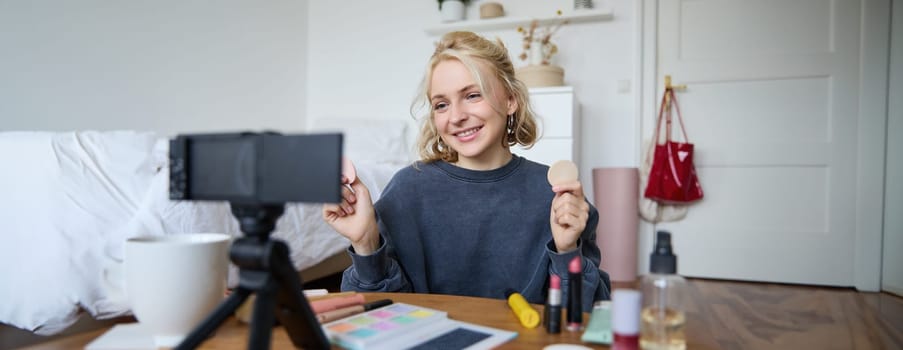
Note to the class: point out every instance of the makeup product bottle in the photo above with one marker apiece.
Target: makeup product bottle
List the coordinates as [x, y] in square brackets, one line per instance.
[553, 305]
[575, 291]
[625, 319]
[525, 313]
[663, 317]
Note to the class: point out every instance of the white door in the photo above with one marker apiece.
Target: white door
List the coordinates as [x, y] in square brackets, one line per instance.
[772, 105]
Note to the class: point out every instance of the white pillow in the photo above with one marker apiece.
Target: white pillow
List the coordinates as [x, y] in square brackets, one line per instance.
[375, 140]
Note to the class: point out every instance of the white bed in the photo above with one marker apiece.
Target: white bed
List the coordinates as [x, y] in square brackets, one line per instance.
[70, 200]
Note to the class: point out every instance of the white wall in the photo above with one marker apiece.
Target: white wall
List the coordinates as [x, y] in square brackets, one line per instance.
[187, 66]
[371, 65]
[163, 65]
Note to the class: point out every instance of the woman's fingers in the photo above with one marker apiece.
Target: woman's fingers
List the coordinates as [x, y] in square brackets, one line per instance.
[348, 194]
[572, 187]
[342, 209]
[331, 212]
[570, 219]
[569, 210]
[568, 201]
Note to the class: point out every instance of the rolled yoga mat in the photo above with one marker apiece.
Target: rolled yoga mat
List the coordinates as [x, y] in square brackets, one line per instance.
[615, 195]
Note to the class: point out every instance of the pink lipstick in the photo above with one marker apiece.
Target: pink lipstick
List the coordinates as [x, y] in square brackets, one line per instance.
[575, 299]
[553, 305]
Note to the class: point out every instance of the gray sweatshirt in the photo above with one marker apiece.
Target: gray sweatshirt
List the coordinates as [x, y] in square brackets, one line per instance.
[449, 230]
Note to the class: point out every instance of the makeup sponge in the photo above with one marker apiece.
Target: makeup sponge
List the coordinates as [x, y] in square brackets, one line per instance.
[563, 171]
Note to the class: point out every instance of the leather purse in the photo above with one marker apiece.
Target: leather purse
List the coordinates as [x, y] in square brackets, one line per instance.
[672, 177]
[651, 210]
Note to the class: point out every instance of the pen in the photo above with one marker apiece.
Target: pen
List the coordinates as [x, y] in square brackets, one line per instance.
[333, 315]
[315, 292]
[329, 295]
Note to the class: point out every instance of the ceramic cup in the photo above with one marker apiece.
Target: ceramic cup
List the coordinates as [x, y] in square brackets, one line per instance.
[173, 282]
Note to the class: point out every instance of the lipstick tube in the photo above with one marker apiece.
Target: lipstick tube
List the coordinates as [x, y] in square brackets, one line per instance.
[553, 305]
[321, 306]
[336, 314]
[575, 298]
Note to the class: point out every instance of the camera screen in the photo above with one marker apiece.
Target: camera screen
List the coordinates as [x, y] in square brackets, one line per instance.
[256, 168]
[222, 168]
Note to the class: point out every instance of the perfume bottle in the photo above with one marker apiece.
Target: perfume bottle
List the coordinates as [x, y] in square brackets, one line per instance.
[663, 316]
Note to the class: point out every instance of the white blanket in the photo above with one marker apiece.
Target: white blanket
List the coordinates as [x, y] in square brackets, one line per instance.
[70, 200]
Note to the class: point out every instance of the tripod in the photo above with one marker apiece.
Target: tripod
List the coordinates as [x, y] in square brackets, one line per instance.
[265, 268]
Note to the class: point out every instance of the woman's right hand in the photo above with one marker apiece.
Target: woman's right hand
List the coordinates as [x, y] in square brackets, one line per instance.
[354, 217]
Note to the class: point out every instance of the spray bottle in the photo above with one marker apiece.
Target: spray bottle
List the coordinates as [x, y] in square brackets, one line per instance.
[663, 316]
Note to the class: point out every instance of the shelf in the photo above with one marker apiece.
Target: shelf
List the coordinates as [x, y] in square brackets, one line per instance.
[551, 89]
[512, 23]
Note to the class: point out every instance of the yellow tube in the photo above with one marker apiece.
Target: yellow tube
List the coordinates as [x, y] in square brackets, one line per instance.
[525, 313]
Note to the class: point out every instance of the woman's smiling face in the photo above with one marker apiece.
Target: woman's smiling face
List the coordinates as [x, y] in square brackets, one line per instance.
[467, 119]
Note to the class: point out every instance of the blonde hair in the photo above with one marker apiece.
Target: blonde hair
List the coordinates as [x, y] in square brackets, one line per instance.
[469, 48]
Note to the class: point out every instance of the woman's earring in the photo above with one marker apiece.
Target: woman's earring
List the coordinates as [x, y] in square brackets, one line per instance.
[511, 133]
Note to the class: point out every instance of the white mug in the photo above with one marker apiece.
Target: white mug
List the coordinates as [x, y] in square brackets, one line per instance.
[172, 282]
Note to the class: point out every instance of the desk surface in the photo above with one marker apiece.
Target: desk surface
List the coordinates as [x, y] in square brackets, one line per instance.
[487, 312]
[720, 315]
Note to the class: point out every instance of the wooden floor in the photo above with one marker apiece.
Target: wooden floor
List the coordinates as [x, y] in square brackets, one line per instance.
[744, 315]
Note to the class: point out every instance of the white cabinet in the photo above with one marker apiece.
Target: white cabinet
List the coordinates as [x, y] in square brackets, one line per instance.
[558, 119]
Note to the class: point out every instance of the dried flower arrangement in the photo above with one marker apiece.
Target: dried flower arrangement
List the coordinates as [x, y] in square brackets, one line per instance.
[542, 37]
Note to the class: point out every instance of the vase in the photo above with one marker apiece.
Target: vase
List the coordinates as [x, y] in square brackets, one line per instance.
[451, 11]
[535, 54]
[541, 75]
[614, 194]
[491, 10]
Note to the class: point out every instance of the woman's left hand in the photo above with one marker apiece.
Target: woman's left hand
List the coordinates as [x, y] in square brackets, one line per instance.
[568, 215]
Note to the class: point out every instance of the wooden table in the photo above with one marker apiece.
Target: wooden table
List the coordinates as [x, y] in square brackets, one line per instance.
[487, 312]
[720, 315]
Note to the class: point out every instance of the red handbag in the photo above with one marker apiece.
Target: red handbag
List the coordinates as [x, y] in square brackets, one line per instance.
[672, 178]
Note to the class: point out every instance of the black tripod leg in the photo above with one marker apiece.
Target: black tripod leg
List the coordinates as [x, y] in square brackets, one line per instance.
[263, 317]
[293, 311]
[214, 320]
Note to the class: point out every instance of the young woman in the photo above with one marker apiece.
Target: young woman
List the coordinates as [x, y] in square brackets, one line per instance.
[470, 218]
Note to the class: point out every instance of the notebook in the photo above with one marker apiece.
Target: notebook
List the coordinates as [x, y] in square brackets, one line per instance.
[406, 326]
